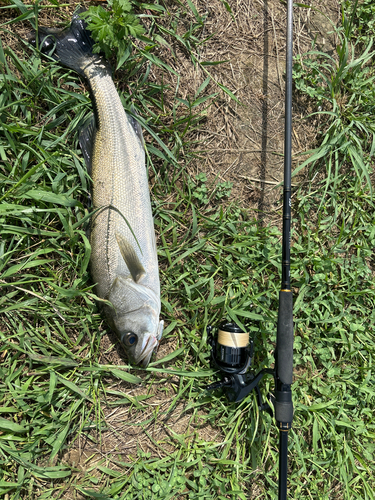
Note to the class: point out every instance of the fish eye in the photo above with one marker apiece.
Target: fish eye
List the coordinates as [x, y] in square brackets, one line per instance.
[130, 339]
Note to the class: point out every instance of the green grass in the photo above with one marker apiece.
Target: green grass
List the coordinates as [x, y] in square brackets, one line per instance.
[215, 262]
[341, 85]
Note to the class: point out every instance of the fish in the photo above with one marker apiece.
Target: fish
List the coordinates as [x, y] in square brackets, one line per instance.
[123, 261]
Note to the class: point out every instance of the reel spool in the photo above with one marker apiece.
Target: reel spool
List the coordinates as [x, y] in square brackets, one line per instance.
[232, 351]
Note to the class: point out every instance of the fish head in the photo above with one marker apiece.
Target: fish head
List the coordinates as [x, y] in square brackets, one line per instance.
[135, 319]
[140, 333]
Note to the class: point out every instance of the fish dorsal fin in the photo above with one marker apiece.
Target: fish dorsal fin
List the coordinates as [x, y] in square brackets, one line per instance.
[131, 258]
[87, 141]
[136, 125]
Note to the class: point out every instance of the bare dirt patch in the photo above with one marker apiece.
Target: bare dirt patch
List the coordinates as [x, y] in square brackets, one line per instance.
[242, 142]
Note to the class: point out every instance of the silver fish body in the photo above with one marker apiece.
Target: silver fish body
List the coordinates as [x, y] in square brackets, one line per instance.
[124, 261]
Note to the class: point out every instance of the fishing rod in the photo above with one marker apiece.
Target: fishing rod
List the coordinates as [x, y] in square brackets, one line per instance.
[231, 347]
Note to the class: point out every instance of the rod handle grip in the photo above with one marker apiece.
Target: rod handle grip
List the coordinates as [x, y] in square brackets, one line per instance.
[283, 406]
[284, 339]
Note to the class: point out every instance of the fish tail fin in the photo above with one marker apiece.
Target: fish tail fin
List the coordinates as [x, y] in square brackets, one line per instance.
[72, 47]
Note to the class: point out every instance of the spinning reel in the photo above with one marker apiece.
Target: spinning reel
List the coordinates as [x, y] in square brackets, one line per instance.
[231, 353]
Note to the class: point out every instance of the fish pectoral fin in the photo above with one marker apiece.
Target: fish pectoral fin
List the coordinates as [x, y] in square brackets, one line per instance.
[127, 296]
[87, 140]
[131, 258]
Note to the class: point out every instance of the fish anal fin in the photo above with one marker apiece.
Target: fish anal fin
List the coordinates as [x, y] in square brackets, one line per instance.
[87, 141]
[131, 258]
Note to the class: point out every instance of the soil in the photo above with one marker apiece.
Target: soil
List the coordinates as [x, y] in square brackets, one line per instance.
[241, 142]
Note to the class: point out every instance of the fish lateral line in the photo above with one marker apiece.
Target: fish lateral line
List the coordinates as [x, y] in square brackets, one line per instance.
[115, 209]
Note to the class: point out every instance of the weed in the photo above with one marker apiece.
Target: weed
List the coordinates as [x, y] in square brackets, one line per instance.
[111, 29]
[344, 91]
[363, 19]
[199, 190]
[223, 189]
[201, 194]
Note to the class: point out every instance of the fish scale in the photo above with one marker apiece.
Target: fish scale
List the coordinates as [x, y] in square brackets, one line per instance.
[123, 260]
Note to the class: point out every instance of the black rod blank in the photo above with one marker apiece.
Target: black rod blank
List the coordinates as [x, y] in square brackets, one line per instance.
[283, 464]
[287, 205]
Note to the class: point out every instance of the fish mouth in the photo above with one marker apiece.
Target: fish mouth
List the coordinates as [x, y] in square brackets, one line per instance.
[147, 349]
